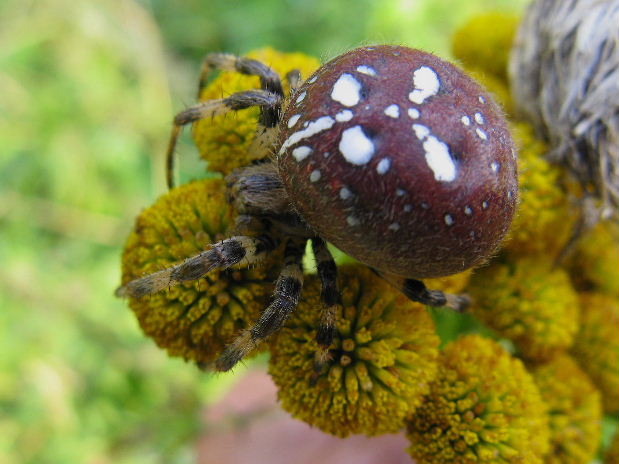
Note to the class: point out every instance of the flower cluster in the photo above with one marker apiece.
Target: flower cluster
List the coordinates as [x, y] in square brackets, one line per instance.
[472, 401]
[547, 295]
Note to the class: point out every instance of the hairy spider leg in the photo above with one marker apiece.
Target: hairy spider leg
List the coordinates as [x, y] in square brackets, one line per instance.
[258, 190]
[237, 101]
[269, 79]
[222, 255]
[331, 298]
[285, 299]
[417, 291]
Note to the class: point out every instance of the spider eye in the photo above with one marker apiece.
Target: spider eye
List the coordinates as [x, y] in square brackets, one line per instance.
[421, 151]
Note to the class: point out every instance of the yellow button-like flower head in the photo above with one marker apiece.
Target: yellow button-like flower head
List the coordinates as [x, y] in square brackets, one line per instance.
[596, 347]
[483, 407]
[575, 411]
[196, 319]
[528, 301]
[382, 360]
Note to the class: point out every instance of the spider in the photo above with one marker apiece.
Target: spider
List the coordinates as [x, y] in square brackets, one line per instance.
[391, 154]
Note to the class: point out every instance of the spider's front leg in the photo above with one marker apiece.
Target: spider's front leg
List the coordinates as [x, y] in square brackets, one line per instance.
[222, 255]
[266, 100]
[285, 299]
[269, 79]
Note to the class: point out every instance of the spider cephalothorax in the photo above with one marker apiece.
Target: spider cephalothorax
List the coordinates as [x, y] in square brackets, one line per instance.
[392, 154]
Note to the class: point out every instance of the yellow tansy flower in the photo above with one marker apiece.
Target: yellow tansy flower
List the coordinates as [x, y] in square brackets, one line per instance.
[196, 319]
[594, 266]
[382, 361]
[545, 218]
[575, 411]
[483, 407]
[596, 346]
[528, 301]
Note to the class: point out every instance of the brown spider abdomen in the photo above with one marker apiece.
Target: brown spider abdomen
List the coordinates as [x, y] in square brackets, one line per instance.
[401, 160]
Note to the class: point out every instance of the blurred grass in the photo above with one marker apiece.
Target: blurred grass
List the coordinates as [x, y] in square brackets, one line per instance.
[87, 90]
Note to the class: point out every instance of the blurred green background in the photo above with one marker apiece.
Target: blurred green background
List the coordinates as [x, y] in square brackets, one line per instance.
[87, 93]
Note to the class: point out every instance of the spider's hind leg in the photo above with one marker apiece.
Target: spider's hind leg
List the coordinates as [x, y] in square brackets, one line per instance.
[330, 297]
[417, 291]
[285, 299]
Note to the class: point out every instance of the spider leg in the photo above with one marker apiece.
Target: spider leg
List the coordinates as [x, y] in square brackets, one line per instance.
[258, 189]
[331, 298]
[221, 256]
[417, 291]
[285, 300]
[210, 108]
[269, 79]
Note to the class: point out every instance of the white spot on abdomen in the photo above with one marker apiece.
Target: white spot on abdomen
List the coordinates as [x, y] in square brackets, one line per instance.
[300, 97]
[421, 131]
[426, 84]
[343, 116]
[315, 175]
[314, 127]
[414, 113]
[482, 135]
[363, 69]
[393, 111]
[449, 220]
[437, 154]
[355, 146]
[479, 118]
[352, 221]
[383, 166]
[439, 159]
[346, 90]
[300, 153]
[345, 193]
[465, 120]
[293, 120]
